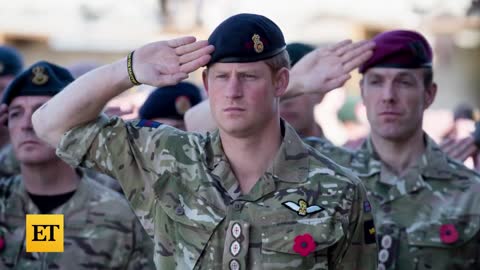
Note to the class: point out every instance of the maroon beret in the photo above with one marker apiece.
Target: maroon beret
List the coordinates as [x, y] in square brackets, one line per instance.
[399, 49]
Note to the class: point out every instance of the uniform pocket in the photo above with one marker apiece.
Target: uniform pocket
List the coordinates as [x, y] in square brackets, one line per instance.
[188, 220]
[300, 243]
[449, 244]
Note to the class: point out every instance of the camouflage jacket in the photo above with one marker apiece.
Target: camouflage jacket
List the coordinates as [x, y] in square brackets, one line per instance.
[8, 163]
[427, 218]
[9, 166]
[188, 199]
[100, 231]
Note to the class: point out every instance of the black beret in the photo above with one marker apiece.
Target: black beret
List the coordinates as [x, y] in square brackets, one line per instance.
[298, 50]
[11, 62]
[246, 38]
[170, 101]
[40, 79]
[399, 49]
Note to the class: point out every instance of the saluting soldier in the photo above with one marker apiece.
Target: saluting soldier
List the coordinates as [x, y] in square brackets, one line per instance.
[425, 204]
[250, 195]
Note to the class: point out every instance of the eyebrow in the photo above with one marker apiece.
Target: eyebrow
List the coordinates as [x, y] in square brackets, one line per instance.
[14, 107]
[17, 107]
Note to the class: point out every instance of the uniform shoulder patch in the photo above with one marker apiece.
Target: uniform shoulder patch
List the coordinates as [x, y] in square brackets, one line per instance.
[369, 232]
[148, 123]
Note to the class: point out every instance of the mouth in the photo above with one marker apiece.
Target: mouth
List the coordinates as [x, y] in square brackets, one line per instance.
[30, 142]
[233, 109]
[389, 113]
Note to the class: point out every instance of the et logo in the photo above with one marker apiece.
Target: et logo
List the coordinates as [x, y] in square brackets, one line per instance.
[44, 233]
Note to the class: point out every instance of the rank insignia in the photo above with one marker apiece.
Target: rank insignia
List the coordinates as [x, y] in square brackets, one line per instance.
[369, 231]
[257, 43]
[302, 208]
[39, 76]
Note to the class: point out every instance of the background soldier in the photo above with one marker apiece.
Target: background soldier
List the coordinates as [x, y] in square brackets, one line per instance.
[100, 229]
[167, 105]
[11, 64]
[425, 204]
[298, 111]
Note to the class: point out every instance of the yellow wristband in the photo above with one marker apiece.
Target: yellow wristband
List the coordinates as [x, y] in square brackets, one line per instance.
[131, 75]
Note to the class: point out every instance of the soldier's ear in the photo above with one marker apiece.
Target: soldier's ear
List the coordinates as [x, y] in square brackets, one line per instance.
[205, 79]
[429, 96]
[280, 81]
[361, 86]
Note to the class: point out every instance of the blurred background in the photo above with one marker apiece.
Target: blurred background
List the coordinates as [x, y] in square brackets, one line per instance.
[82, 34]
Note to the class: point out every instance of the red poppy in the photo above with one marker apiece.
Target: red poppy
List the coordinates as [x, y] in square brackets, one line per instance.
[448, 234]
[2, 243]
[304, 244]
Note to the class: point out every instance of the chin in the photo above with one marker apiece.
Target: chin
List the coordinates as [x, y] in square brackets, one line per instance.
[236, 130]
[35, 158]
[394, 135]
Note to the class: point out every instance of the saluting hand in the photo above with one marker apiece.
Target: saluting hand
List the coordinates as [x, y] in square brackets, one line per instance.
[325, 69]
[168, 62]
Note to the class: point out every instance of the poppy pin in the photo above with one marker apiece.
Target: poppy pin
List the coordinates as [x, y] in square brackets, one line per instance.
[304, 244]
[448, 234]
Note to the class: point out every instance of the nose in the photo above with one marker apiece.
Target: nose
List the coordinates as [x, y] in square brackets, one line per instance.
[388, 93]
[233, 88]
[26, 122]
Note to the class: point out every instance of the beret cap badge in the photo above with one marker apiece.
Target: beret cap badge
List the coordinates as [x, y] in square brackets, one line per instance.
[257, 43]
[182, 104]
[39, 76]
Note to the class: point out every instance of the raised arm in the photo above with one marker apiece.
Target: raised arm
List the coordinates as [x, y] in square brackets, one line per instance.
[325, 69]
[158, 64]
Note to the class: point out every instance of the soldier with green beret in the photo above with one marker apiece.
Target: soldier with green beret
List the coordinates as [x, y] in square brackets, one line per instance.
[249, 195]
[100, 229]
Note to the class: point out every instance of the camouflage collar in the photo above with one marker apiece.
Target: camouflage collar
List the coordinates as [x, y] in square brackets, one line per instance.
[432, 164]
[70, 209]
[291, 164]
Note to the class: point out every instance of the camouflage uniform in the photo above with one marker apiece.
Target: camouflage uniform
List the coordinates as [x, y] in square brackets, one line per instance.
[188, 199]
[9, 166]
[101, 231]
[427, 218]
[8, 163]
[103, 179]
[340, 155]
